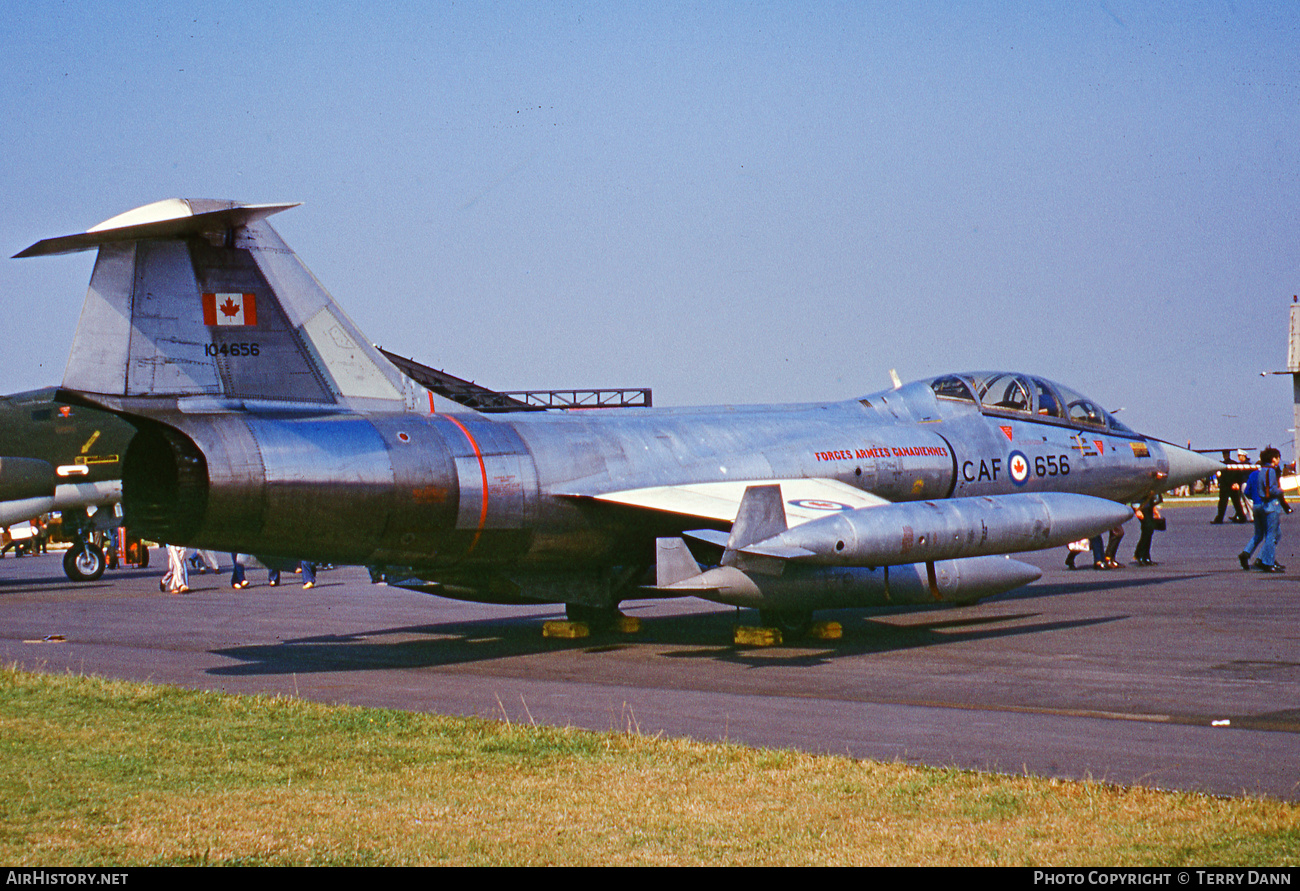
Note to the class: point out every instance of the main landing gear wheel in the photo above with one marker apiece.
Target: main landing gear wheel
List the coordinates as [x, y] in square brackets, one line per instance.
[791, 622]
[598, 618]
[84, 562]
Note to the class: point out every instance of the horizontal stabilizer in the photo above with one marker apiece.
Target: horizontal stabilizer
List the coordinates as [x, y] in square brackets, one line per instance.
[711, 584]
[712, 536]
[172, 218]
[758, 549]
[779, 552]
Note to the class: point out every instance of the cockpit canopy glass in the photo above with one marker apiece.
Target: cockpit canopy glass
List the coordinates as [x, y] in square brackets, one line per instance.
[950, 386]
[1011, 394]
[1008, 392]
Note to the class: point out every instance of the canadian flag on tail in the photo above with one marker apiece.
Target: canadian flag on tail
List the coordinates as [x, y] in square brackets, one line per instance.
[229, 309]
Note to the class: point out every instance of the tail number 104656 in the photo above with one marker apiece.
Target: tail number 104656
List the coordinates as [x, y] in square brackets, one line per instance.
[232, 349]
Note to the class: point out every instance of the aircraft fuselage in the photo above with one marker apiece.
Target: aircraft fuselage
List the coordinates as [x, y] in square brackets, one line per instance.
[448, 491]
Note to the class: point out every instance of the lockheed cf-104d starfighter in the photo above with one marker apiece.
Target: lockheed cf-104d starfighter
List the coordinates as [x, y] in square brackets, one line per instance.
[269, 424]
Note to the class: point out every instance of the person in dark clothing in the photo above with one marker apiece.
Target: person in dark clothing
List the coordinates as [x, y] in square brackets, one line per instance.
[1150, 518]
[1230, 482]
[1104, 557]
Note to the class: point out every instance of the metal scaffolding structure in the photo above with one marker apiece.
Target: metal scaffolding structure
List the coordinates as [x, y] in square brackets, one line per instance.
[624, 397]
[480, 398]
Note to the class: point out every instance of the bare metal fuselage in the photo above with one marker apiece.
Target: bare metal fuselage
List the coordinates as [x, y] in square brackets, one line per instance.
[456, 493]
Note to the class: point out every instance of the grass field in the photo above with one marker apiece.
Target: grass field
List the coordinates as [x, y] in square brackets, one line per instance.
[105, 772]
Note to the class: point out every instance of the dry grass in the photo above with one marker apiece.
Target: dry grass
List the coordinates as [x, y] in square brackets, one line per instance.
[104, 772]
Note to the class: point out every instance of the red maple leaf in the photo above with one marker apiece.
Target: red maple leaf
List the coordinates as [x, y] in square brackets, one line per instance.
[230, 308]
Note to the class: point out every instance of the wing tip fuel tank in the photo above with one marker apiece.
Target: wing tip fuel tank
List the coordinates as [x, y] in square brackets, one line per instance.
[922, 531]
[806, 587]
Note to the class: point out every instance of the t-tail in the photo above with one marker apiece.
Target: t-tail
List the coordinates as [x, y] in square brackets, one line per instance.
[201, 302]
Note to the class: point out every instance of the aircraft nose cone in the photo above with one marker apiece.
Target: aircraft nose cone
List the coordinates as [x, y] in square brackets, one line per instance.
[1186, 466]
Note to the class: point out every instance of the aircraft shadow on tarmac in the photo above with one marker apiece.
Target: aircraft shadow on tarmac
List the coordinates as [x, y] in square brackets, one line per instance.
[698, 636]
[50, 582]
[1108, 581]
[450, 643]
[868, 636]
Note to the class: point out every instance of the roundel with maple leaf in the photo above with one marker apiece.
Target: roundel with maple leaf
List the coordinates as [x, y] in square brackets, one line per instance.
[1018, 467]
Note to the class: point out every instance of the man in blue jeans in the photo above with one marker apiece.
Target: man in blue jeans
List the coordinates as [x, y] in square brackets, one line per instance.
[1265, 490]
[308, 571]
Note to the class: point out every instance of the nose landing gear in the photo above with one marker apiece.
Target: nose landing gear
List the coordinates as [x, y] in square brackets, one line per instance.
[84, 562]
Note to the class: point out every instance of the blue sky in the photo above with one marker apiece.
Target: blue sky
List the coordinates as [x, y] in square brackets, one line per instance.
[724, 202]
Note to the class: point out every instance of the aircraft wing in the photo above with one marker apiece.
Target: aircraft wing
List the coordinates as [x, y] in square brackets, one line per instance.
[805, 499]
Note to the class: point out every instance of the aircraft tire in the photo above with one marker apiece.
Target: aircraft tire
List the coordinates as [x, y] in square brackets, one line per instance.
[792, 623]
[84, 563]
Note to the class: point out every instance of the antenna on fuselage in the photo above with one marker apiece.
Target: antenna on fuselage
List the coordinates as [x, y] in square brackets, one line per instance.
[893, 378]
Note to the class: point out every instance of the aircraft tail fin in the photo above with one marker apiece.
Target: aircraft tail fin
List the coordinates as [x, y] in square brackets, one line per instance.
[673, 562]
[760, 516]
[201, 298]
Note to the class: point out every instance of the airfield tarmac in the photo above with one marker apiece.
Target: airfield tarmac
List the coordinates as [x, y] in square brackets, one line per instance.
[1117, 676]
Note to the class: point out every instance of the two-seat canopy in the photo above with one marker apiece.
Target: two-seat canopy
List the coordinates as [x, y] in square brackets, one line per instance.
[1010, 394]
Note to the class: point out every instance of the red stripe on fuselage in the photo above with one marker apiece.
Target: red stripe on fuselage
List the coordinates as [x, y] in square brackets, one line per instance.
[482, 469]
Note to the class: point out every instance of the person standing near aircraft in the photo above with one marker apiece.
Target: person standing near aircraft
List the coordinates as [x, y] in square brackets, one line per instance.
[1104, 556]
[1149, 516]
[1074, 549]
[308, 571]
[1230, 482]
[177, 579]
[1265, 490]
[238, 578]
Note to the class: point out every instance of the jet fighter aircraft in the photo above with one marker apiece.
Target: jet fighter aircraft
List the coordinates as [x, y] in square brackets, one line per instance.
[268, 422]
[57, 456]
